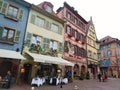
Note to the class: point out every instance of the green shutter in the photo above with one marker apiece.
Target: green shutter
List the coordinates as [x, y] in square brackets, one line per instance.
[1, 3]
[60, 30]
[21, 14]
[48, 25]
[28, 39]
[32, 20]
[4, 7]
[46, 42]
[60, 47]
[1, 31]
[17, 36]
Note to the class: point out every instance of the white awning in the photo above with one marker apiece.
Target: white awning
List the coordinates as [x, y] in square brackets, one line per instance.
[10, 54]
[49, 59]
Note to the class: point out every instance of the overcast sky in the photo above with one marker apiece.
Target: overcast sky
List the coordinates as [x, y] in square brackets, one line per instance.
[105, 14]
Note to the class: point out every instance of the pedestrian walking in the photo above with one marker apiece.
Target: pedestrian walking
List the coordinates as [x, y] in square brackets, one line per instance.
[103, 77]
[99, 76]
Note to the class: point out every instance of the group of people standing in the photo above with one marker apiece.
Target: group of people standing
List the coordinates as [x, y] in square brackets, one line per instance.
[102, 76]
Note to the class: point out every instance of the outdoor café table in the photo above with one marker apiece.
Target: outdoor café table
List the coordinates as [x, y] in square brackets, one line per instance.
[37, 81]
[54, 81]
[65, 80]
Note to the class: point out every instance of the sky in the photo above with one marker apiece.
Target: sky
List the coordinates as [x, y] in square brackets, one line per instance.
[105, 14]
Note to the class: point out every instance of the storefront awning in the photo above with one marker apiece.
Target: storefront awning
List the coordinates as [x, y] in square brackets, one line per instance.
[49, 59]
[10, 54]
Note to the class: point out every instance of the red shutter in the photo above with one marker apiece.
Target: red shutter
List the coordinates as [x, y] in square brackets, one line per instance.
[66, 28]
[73, 32]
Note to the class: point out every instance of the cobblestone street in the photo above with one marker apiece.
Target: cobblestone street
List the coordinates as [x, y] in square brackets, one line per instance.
[93, 84]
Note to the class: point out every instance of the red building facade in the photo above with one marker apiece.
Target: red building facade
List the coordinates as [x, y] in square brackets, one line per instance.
[74, 39]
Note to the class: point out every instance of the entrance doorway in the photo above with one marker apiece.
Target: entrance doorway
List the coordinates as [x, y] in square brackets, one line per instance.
[76, 70]
[4, 67]
[28, 68]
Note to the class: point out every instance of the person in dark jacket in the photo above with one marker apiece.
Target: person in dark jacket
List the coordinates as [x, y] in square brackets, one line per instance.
[7, 78]
[99, 76]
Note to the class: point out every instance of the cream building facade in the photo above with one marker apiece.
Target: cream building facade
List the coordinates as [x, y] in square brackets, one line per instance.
[43, 45]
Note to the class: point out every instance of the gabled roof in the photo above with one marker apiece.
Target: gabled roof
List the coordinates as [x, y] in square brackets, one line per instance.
[43, 4]
[107, 39]
[72, 10]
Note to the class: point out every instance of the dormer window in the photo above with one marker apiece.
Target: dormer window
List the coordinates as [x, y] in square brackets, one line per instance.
[49, 9]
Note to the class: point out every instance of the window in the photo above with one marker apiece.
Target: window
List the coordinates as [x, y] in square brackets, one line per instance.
[12, 12]
[53, 45]
[89, 54]
[68, 15]
[76, 21]
[105, 54]
[82, 38]
[76, 34]
[7, 34]
[36, 39]
[82, 25]
[40, 22]
[118, 60]
[118, 45]
[68, 30]
[54, 28]
[109, 52]
[48, 9]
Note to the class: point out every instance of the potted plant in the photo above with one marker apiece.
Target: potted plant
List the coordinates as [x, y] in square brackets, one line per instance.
[81, 77]
[87, 75]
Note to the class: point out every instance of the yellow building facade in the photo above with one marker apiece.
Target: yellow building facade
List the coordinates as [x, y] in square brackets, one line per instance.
[92, 50]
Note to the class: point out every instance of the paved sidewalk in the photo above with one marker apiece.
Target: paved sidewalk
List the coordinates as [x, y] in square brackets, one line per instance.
[92, 84]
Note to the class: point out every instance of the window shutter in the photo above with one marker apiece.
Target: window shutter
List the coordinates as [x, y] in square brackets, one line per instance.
[1, 31]
[48, 25]
[1, 3]
[17, 36]
[32, 20]
[46, 43]
[73, 32]
[4, 8]
[60, 47]
[21, 14]
[60, 30]
[28, 39]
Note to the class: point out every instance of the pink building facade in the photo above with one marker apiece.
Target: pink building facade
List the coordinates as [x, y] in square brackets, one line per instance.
[74, 39]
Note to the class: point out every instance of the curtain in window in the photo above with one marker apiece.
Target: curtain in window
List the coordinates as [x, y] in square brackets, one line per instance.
[54, 45]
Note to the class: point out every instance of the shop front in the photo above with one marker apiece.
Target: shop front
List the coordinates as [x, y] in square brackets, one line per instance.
[9, 60]
[45, 66]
